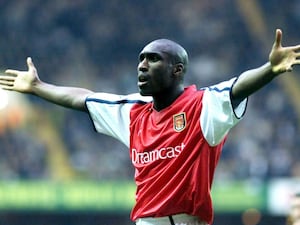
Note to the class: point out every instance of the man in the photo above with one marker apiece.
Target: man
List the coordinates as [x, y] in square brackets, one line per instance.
[294, 212]
[174, 133]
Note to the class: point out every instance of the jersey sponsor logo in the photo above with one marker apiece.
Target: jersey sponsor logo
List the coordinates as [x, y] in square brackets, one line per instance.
[179, 122]
[156, 154]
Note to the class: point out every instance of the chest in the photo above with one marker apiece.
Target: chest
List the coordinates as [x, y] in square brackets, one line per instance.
[166, 129]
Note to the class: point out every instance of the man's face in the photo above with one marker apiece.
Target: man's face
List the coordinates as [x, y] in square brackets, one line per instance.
[154, 70]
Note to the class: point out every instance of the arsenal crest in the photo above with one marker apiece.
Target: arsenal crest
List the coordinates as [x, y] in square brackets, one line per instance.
[179, 122]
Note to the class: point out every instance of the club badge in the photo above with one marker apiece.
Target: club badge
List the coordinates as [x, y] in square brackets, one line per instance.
[179, 122]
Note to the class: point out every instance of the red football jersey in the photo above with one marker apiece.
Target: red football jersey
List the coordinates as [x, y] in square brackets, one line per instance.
[174, 163]
[174, 151]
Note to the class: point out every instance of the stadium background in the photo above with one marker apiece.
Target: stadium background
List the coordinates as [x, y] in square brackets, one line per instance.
[54, 169]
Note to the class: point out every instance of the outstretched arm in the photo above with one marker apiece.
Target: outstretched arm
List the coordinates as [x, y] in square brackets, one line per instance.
[29, 82]
[281, 59]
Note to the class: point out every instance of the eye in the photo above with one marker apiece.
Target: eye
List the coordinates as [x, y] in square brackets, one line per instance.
[141, 57]
[153, 57]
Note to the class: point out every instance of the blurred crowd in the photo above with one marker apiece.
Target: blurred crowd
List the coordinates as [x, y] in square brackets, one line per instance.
[95, 44]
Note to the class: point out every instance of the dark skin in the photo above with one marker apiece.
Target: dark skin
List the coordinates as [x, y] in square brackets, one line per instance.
[161, 73]
[158, 75]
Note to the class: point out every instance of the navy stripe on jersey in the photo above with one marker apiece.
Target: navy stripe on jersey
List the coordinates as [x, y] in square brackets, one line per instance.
[216, 89]
[123, 101]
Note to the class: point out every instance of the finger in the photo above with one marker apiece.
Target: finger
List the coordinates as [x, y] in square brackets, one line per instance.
[30, 64]
[12, 72]
[6, 83]
[297, 62]
[296, 48]
[278, 37]
[8, 88]
[7, 78]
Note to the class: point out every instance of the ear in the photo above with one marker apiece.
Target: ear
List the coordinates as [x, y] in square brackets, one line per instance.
[178, 69]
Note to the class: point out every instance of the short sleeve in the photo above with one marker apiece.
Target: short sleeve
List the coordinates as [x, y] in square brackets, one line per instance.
[218, 115]
[110, 113]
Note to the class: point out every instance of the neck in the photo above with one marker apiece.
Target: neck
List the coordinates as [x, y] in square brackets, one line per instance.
[166, 98]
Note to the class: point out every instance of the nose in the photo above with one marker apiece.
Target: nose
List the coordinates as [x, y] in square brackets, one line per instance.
[143, 65]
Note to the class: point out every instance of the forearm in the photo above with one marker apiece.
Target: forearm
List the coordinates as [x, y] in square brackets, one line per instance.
[252, 80]
[71, 97]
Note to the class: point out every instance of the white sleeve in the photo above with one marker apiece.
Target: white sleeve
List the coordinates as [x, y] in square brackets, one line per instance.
[110, 113]
[218, 116]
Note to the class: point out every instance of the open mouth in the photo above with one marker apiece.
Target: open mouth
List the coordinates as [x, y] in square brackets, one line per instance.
[142, 80]
[141, 83]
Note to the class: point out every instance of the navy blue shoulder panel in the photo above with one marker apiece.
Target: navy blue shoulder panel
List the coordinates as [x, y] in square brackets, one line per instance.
[213, 88]
[122, 101]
